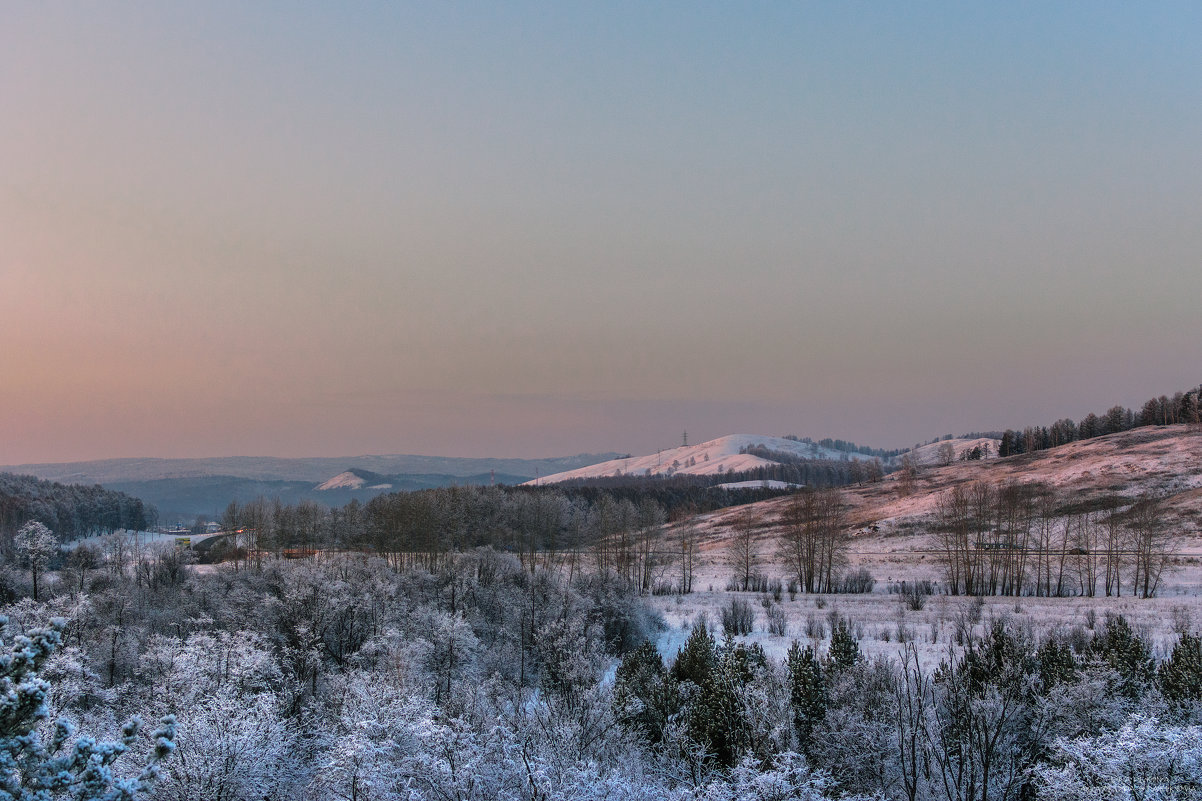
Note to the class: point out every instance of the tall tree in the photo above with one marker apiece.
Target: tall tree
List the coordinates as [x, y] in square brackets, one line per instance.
[35, 545]
[741, 551]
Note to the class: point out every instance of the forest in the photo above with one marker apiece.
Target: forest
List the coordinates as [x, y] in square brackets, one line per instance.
[73, 511]
[470, 672]
[1182, 407]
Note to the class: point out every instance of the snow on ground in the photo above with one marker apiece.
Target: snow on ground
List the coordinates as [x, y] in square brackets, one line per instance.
[889, 528]
[1165, 461]
[932, 454]
[715, 457]
[769, 484]
[879, 618]
[141, 537]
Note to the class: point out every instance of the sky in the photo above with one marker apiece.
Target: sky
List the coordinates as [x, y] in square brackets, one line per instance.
[519, 229]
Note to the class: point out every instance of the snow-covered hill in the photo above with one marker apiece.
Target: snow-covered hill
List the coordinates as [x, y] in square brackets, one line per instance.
[933, 454]
[344, 480]
[721, 455]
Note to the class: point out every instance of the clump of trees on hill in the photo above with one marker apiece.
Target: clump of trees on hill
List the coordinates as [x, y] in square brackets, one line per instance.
[814, 541]
[1182, 407]
[72, 511]
[1030, 539]
[804, 471]
[847, 447]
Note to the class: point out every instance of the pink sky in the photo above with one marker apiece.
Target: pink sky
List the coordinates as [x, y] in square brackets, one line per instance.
[510, 232]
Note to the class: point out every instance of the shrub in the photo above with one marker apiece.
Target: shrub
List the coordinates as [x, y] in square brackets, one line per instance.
[914, 594]
[737, 617]
[1181, 674]
[858, 582]
[815, 629]
[777, 623]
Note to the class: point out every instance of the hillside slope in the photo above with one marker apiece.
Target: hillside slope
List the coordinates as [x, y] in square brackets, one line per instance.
[888, 517]
[717, 456]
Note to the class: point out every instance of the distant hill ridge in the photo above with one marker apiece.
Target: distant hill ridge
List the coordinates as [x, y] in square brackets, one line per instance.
[734, 453]
[314, 469]
[182, 489]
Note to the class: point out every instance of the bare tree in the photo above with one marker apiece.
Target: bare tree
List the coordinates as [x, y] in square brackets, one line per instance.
[1153, 545]
[1116, 540]
[741, 552]
[687, 535]
[908, 475]
[80, 560]
[1084, 531]
[650, 528]
[813, 544]
[953, 536]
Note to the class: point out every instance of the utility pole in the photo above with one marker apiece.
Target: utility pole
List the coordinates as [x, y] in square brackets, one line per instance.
[684, 439]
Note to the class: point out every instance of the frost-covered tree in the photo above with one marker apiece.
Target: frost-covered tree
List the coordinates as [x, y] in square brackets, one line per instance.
[65, 766]
[807, 691]
[35, 545]
[645, 696]
[1181, 674]
[1142, 760]
[234, 748]
[787, 778]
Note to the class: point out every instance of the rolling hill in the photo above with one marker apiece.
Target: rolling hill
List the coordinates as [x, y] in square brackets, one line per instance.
[891, 519]
[715, 457]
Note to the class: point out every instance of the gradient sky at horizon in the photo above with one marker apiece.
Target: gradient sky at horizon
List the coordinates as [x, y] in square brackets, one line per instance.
[538, 229]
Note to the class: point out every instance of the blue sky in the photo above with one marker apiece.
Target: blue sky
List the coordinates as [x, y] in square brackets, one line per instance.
[521, 229]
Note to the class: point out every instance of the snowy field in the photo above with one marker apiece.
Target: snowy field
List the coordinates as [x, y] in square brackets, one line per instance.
[884, 624]
[140, 538]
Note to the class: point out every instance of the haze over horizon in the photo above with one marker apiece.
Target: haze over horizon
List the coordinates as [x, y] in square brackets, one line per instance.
[538, 230]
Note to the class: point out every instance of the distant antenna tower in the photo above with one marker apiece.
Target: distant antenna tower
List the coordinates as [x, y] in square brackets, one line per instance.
[684, 439]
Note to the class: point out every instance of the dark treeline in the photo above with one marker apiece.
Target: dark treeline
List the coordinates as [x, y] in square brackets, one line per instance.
[694, 494]
[609, 530]
[688, 489]
[796, 469]
[1182, 407]
[72, 511]
[848, 447]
